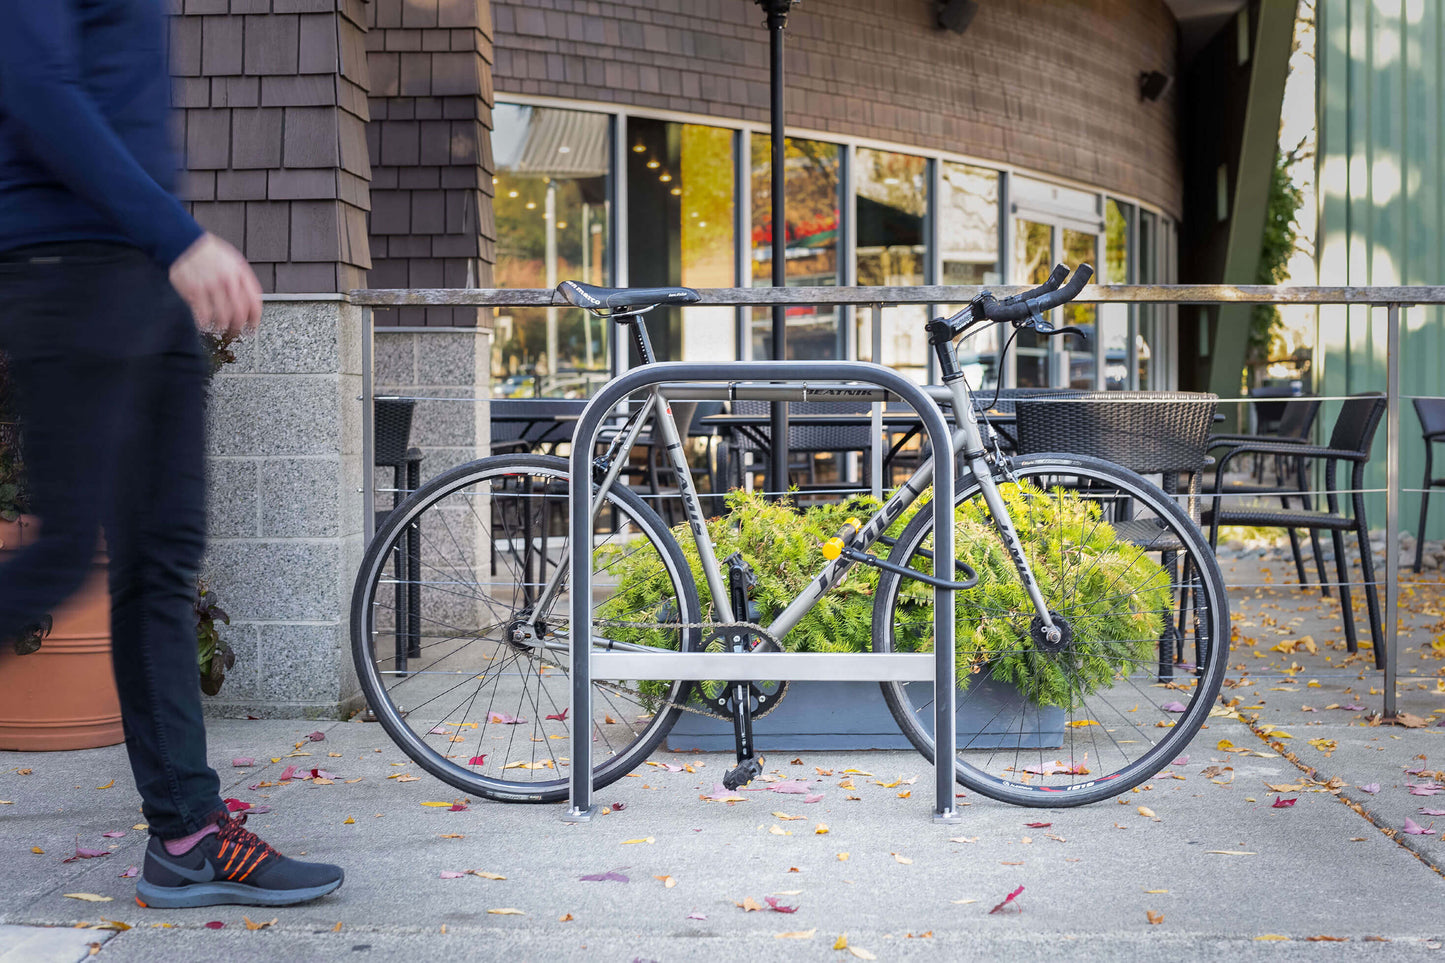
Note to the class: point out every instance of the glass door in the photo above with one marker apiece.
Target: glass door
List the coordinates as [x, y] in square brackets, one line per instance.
[1057, 362]
[1033, 259]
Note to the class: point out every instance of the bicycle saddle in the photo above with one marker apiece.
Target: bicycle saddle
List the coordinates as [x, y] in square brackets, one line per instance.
[595, 298]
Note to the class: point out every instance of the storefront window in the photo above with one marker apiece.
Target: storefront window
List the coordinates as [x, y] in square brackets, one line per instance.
[1079, 247]
[968, 240]
[892, 226]
[1114, 318]
[551, 203]
[680, 197]
[1033, 259]
[811, 170]
[1148, 313]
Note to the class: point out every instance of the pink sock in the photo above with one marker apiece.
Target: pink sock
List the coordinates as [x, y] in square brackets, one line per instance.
[178, 847]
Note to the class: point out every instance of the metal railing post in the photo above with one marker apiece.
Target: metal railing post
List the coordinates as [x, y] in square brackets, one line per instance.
[1392, 503]
[875, 460]
[368, 431]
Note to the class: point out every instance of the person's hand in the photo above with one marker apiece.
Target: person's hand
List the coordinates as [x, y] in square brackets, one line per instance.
[220, 287]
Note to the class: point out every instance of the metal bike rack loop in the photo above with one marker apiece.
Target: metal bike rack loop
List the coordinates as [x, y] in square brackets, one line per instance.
[739, 666]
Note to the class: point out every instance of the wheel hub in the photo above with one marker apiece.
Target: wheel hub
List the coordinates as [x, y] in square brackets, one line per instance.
[1054, 639]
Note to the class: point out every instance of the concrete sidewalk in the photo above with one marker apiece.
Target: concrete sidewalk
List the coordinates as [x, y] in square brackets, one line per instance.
[1233, 876]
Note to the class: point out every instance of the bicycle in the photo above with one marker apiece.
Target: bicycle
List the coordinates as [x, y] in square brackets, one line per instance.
[1072, 634]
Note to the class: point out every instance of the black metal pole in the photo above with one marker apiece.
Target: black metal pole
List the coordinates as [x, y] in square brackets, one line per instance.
[777, 11]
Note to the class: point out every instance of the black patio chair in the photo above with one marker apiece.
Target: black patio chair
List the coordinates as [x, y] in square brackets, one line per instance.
[1431, 412]
[1161, 433]
[392, 442]
[533, 424]
[1350, 441]
[804, 441]
[1291, 475]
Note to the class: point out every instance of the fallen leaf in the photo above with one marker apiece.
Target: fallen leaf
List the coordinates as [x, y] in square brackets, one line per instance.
[779, 831]
[841, 943]
[821, 829]
[114, 834]
[214, 925]
[697, 916]
[1370, 787]
[1038, 825]
[484, 874]
[1229, 852]
[317, 736]
[452, 874]
[252, 925]
[1006, 900]
[813, 797]
[503, 719]
[241, 762]
[1271, 938]
[130, 872]
[797, 935]
[1415, 829]
[1154, 918]
[843, 857]
[37, 850]
[1284, 787]
[107, 785]
[88, 897]
[477, 760]
[1147, 812]
[750, 905]
[963, 839]
[722, 794]
[861, 953]
[1282, 803]
[438, 805]
[82, 852]
[644, 839]
[1174, 707]
[559, 716]
[963, 901]
[786, 818]
[506, 911]
[611, 876]
[1431, 812]
[667, 881]
[1156, 891]
[776, 905]
[903, 859]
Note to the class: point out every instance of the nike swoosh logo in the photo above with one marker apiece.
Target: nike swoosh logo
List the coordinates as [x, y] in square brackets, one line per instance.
[204, 875]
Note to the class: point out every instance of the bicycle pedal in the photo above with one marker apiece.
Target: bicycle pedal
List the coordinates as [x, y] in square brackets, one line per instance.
[746, 772]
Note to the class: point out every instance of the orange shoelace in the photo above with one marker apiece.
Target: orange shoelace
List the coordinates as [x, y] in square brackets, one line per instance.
[241, 850]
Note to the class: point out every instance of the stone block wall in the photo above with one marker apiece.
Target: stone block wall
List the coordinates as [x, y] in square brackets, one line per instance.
[450, 371]
[284, 503]
[272, 107]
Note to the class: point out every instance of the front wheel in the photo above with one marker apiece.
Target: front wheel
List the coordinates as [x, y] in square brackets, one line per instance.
[463, 652]
[1141, 603]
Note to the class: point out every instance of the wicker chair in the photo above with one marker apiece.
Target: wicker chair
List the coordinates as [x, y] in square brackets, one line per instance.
[804, 440]
[1350, 441]
[1431, 412]
[1150, 432]
[1290, 475]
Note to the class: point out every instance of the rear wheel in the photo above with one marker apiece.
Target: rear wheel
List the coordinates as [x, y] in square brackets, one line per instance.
[464, 663]
[1132, 583]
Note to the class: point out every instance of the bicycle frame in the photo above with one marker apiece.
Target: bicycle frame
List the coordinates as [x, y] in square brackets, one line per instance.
[967, 440]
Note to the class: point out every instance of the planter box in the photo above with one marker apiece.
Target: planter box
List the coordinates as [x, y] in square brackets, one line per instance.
[853, 715]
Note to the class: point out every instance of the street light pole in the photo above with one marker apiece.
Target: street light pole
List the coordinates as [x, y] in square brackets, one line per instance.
[777, 11]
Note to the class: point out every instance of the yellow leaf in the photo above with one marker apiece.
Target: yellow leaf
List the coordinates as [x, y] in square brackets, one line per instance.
[841, 943]
[444, 805]
[905, 794]
[252, 925]
[485, 875]
[451, 836]
[1271, 937]
[1154, 918]
[821, 829]
[856, 772]
[506, 911]
[963, 839]
[1156, 891]
[116, 925]
[861, 953]
[847, 784]
[336, 928]
[88, 897]
[1284, 787]
[785, 817]
[565, 918]
[903, 859]
[348, 821]
[1146, 811]
[667, 881]
[644, 839]
[779, 831]
[139, 826]
[37, 850]
[107, 785]
[798, 935]
[750, 905]
[842, 857]
[1080, 723]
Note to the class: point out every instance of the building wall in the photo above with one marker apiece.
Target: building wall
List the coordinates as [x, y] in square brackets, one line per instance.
[1381, 188]
[1047, 86]
[430, 146]
[271, 100]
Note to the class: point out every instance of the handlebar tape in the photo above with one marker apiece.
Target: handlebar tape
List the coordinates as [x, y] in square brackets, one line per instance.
[1003, 311]
[1052, 284]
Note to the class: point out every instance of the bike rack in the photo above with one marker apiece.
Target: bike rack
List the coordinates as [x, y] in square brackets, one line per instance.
[841, 667]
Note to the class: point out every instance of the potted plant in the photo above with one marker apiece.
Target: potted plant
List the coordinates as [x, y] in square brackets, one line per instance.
[782, 544]
[63, 696]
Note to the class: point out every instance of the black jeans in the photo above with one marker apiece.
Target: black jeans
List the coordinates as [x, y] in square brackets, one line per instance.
[110, 381]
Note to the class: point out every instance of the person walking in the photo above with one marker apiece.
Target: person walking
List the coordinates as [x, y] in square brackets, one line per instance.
[104, 280]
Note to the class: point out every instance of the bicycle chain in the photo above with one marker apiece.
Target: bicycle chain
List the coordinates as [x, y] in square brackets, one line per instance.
[757, 630]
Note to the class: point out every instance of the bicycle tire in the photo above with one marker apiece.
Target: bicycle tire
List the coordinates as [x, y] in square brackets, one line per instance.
[1033, 754]
[526, 500]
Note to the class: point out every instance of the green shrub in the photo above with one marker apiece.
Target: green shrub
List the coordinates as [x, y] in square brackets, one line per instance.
[1066, 544]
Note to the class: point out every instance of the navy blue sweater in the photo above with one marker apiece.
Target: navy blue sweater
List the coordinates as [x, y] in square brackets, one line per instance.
[85, 148]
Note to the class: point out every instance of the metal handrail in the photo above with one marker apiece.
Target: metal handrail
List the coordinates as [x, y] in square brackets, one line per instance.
[1393, 298]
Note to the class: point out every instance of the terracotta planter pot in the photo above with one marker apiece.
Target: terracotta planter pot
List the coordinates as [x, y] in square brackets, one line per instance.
[62, 697]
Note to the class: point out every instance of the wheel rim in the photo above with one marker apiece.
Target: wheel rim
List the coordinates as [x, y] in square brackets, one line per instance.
[1116, 570]
[451, 666]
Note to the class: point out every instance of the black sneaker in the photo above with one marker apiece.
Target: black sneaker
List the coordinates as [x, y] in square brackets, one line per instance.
[30, 637]
[232, 866]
